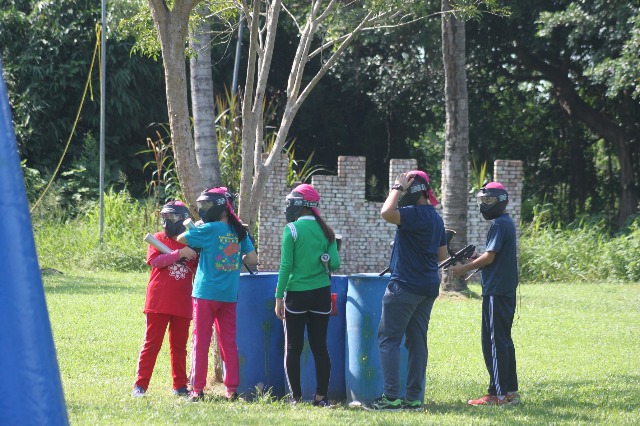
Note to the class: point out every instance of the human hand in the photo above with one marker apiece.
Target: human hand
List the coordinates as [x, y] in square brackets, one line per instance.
[187, 253]
[279, 308]
[457, 270]
[404, 180]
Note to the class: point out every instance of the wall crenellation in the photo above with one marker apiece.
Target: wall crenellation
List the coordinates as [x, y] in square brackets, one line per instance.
[366, 237]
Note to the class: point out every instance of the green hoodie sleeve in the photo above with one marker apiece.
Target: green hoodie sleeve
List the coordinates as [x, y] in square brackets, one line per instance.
[286, 262]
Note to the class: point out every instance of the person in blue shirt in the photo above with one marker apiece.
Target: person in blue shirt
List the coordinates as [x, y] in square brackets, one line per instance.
[224, 245]
[499, 278]
[419, 244]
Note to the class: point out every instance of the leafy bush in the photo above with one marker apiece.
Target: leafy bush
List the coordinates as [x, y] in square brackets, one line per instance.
[74, 244]
[585, 250]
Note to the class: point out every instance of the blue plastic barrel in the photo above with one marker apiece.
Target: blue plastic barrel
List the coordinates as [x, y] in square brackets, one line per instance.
[335, 345]
[259, 336]
[363, 373]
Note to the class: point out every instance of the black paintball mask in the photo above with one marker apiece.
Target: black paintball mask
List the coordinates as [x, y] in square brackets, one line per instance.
[294, 204]
[211, 205]
[412, 194]
[173, 214]
[492, 202]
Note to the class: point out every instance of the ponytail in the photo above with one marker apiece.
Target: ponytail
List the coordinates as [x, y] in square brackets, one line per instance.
[235, 223]
[328, 232]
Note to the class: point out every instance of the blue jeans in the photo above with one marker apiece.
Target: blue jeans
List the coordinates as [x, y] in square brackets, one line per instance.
[404, 314]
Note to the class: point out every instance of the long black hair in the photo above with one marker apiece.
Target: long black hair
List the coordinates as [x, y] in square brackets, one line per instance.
[237, 225]
[326, 229]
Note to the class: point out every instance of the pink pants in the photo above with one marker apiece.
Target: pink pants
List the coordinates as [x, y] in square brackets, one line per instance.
[206, 314]
[153, 337]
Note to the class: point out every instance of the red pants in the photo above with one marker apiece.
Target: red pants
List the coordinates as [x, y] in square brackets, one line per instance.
[206, 314]
[153, 337]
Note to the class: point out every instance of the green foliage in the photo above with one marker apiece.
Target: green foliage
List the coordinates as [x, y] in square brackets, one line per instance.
[478, 176]
[229, 136]
[428, 149]
[559, 331]
[67, 245]
[164, 181]
[139, 25]
[585, 250]
[373, 191]
[300, 170]
[33, 181]
[615, 64]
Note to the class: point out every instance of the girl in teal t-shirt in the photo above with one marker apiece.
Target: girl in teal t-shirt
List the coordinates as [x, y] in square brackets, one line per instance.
[224, 246]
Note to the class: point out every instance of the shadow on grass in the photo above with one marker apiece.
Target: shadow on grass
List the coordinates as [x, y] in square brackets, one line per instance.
[464, 294]
[80, 284]
[581, 402]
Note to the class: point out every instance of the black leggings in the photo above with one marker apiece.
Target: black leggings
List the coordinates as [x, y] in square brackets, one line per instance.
[311, 309]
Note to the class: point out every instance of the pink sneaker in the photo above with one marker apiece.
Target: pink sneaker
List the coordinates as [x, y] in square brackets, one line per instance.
[231, 395]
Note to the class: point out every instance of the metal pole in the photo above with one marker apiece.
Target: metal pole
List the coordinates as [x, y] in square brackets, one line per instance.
[236, 66]
[103, 75]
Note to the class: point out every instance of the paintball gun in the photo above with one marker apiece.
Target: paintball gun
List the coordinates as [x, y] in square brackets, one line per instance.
[151, 240]
[459, 256]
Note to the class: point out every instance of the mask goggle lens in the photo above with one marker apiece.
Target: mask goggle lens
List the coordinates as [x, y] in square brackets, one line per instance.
[487, 201]
[293, 202]
[171, 217]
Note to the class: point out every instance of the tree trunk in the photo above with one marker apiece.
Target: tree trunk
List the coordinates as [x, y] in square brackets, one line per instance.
[172, 26]
[455, 172]
[203, 106]
[204, 131]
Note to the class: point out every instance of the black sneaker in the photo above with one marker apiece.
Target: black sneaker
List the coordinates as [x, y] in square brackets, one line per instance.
[324, 402]
[138, 391]
[231, 396]
[410, 405]
[385, 404]
[183, 391]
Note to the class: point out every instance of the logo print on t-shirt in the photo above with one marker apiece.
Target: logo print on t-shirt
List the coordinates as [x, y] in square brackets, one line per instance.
[178, 270]
[231, 249]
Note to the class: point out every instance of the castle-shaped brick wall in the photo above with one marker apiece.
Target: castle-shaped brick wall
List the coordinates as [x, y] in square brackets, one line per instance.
[366, 237]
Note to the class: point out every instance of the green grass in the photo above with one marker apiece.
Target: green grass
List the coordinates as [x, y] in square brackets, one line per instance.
[577, 348]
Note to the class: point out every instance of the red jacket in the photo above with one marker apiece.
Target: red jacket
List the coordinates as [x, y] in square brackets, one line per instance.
[169, 288]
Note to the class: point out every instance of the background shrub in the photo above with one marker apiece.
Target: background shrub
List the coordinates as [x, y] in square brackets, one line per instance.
[74, 244]
[584, 250]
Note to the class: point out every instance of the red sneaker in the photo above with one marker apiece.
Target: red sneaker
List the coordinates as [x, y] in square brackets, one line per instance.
[488, 400]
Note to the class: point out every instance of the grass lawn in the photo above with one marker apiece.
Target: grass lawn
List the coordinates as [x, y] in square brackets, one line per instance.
[577, 346]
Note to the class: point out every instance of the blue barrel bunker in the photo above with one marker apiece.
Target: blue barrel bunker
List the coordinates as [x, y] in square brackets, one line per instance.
[259, 336]
[363, 372]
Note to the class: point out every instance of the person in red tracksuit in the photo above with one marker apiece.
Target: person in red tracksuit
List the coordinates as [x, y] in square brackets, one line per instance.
[168, 301]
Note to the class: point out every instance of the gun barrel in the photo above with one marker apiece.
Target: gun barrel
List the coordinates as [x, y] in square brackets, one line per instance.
[150, 239]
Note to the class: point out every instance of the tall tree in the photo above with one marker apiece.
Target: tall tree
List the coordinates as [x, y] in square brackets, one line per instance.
[582, 55]
[346, 20]
[202, 102]
[455, 173]
[172, 26]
